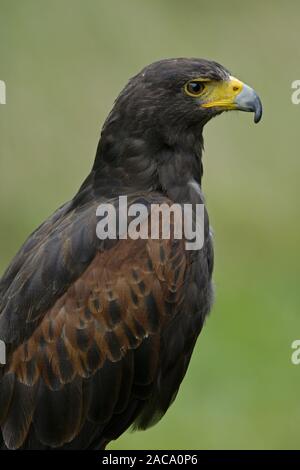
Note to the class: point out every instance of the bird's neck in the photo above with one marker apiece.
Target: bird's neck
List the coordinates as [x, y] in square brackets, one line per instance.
[180, 174]
[142, 164]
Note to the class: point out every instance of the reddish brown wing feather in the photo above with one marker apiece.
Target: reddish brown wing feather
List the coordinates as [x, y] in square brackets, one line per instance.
[75, 368]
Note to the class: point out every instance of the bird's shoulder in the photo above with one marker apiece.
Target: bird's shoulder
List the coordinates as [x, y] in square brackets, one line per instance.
[62, 250]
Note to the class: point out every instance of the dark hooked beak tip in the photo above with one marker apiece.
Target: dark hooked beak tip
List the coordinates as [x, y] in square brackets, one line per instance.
[257, 108]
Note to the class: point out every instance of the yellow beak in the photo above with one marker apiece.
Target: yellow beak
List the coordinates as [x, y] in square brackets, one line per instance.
[232, 94]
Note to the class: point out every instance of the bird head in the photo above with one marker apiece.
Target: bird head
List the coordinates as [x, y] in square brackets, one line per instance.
[175, 95]
[161, 112]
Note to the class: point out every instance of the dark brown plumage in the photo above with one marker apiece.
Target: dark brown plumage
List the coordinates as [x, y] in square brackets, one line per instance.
[99, 333]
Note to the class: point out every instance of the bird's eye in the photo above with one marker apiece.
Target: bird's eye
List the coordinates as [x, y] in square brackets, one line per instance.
[194, 88]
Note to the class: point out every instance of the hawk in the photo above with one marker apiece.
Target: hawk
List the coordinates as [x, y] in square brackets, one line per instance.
[99, 332]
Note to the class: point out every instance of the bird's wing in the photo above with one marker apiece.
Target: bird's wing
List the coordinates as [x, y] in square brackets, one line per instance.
[33, 241]
[85, 325]
[48, 262]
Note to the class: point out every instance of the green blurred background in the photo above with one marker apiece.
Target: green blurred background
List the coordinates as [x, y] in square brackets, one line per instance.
[64, 61]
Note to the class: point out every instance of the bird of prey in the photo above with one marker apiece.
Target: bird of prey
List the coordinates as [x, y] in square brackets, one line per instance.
[99, 332]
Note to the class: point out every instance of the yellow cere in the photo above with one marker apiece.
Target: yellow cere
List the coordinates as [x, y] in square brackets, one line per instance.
[221, 93]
